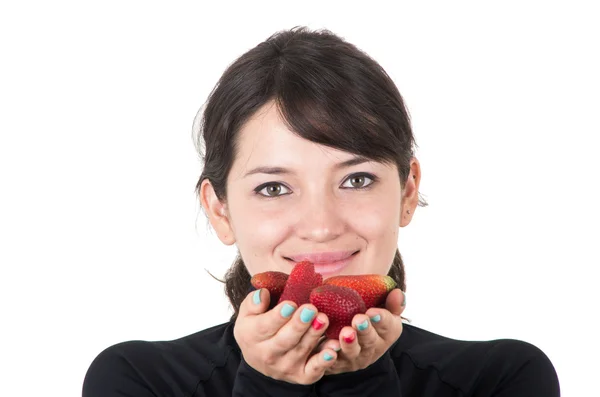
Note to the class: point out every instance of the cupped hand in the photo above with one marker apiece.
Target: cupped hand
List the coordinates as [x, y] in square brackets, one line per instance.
[370, 336]
[280, 343]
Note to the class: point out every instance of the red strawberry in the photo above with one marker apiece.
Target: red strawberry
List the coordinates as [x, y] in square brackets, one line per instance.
[301, 281]
[372, 288]
[340, 304]
[273, 281]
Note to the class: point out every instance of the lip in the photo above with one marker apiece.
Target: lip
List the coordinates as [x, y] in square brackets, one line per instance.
[322, 257]
[326, 263]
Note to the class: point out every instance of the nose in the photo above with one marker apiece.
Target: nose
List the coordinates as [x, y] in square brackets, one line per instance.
[320, 219]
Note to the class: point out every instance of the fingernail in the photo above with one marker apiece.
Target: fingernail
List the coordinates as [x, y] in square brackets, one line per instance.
[256, 297]
[287, 310]
[306, 315]
[349, 339]
[317, 325]
[327, 357]
[337, 349]
[362, 326]
[376, 318]
[404, 301]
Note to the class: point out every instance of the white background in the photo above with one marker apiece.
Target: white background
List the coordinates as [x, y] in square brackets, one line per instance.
[102, 237]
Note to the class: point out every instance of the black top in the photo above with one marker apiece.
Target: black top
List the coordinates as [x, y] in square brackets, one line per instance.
[420, 363]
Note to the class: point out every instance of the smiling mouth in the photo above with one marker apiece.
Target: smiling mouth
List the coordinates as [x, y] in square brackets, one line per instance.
[330, 268]
[322, 262]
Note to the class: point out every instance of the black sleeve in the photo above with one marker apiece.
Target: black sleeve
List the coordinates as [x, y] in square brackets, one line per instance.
[249, 382]
[380, 379]
[111, 375]
[527, 371]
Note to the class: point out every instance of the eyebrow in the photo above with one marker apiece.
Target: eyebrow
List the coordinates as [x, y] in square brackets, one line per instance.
[285, 171]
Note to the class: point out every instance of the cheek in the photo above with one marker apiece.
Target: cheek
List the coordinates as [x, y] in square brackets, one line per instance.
[378, 226]
[380, 232]
[376, 219]
[257, 235]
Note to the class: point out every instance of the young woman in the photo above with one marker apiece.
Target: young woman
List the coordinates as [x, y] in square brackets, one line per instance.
[309, 155]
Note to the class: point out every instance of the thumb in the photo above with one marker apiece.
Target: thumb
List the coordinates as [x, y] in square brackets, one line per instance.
[256, 302]
[396, 302]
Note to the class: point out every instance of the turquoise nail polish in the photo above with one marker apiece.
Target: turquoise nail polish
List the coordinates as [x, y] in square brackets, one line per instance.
[376, 318]
[256, 297]
[307, 315]
[337, 349]
[287, 310]
[327, 357]
[362, 326]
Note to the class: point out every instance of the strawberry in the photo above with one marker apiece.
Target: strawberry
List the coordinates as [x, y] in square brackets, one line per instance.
[372, 288]
[340, 304]
[273, 281]
[301, 281]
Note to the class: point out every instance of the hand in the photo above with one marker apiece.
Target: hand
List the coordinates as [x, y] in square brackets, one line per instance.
[374, 337]
[278, 343]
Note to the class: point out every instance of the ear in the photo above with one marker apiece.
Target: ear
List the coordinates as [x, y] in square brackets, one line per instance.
[410, 195]
[217, 213]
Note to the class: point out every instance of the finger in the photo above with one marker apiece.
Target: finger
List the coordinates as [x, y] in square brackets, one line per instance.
[310, 340]
[349, 343]
[264, 325]
[387, 325]
[256, 302]
[290, 334]
[396, 301]
[332, 344]
[368, 338]
[317, 365]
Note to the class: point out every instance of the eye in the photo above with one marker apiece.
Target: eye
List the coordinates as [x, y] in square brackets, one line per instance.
[271, 190]
[359, 181]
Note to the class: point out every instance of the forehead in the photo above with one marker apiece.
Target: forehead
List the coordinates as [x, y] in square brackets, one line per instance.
[264, 128]
[265, 138]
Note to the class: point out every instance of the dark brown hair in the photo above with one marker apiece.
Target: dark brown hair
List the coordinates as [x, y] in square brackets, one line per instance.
[327, 91]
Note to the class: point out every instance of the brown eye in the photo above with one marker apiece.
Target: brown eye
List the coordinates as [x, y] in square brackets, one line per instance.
[272, 190]
[359, 181]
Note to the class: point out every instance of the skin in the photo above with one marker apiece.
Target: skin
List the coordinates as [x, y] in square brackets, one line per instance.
[314, 207]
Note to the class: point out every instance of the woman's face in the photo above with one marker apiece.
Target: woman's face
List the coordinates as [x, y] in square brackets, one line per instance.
[289, 200]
